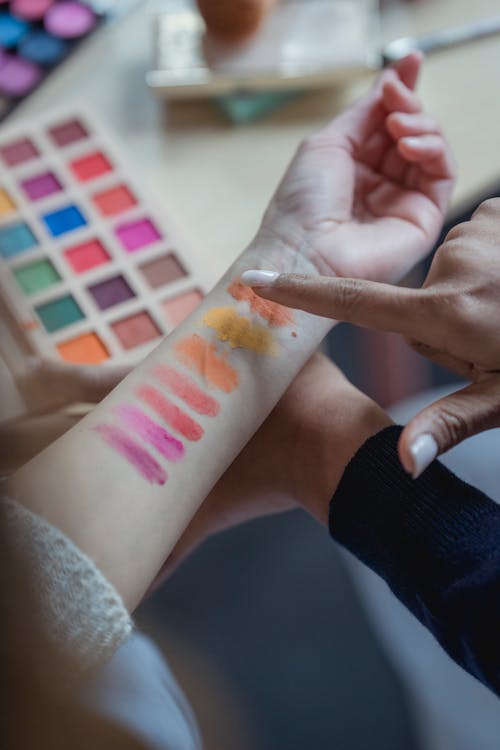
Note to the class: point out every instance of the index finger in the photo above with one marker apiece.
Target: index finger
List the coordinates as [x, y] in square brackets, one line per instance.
[369, 304]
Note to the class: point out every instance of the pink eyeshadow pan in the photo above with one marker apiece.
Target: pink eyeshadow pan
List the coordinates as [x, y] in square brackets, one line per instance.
[19, 152]
[136, 330]
[41, 186]
[138, 234]
[178, 308]
[68, 132]
[86, 256]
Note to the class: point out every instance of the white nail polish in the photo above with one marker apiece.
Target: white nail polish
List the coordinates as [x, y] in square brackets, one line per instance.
[259, 278]
[423, 450]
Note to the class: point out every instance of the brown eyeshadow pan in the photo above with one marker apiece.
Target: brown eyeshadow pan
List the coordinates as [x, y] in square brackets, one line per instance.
[163, 271]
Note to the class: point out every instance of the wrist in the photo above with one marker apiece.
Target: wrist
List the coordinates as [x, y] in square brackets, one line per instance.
[286, 253]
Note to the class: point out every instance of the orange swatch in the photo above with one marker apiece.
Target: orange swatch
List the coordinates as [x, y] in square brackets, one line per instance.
[275, 314]
[202, 357]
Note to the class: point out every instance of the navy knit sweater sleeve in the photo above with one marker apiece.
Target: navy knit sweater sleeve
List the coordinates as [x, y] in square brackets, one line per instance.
[436, 543]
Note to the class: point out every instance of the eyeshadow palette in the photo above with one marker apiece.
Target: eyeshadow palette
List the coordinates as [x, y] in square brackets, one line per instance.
[88, 270]
[36, 36]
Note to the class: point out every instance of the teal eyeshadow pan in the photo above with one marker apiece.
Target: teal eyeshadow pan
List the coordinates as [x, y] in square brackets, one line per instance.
[59, 313]
[16, 239]
[65, 220]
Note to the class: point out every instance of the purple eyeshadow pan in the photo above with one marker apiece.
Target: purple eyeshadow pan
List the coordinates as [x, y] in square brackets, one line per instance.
[41, 186]
[111, 292]
[18, 77]
[70, 19]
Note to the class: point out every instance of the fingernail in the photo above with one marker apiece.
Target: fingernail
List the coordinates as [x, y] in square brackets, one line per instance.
[259, 278]
[423, 451]
[412, 141]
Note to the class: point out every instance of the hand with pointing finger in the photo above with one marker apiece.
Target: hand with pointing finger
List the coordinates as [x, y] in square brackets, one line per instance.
[452, 320]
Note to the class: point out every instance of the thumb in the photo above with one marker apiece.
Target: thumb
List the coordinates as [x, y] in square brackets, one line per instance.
[383, 307]
[448, 422]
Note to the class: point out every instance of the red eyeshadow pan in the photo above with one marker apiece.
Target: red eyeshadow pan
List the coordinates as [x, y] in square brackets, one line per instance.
[68, 132]
[136, 330]
[114, 201]
[91, 166]
[19, 152]
[86, 256]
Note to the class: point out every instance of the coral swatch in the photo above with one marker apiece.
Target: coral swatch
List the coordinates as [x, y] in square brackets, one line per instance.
[240, 331]
[187, 390]
[275, 314]
[136, 456]
[202, 357]
[170, 413]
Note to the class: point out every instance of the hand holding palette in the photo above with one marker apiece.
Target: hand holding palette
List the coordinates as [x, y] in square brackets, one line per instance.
[89, 271]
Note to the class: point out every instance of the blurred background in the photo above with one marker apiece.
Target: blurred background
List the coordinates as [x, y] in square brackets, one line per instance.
[278, 639]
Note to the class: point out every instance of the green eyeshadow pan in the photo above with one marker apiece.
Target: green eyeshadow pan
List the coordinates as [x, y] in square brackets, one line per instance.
[36, 276]
[59, 313]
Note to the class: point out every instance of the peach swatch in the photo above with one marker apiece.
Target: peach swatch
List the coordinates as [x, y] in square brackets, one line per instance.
[275, 314]
[202, 357]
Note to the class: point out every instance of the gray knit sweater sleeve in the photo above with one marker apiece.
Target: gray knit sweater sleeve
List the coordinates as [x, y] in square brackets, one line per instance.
[83, 613]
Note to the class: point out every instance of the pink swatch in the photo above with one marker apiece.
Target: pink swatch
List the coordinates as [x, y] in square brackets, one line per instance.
[187, 390]
[150, 432]
[170, 413]
[145, 464]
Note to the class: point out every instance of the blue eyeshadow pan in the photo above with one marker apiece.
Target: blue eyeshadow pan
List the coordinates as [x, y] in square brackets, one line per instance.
[12, 30]
[65, 220]
[43, 48]
[16, 239]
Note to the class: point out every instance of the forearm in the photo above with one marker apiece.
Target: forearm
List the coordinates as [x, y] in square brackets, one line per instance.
[435, 541]
[127, 509]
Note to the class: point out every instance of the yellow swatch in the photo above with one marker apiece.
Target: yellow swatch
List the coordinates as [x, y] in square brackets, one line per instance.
[7, 205]
[239, 331]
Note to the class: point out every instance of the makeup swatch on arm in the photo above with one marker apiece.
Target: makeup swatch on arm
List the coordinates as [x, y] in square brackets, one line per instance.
[151, 432]
[187, 390]
[274, 313]
[202, 357]
[174, 417]
[240, 331]
[136, 456]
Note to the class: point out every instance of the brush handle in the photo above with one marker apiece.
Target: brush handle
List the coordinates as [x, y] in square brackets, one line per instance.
[440, 40]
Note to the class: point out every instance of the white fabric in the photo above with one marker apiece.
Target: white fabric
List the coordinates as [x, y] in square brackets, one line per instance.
[83, 614]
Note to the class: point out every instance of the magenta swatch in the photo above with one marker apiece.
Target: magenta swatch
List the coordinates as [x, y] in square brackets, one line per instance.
[151, 432]
[136, 456]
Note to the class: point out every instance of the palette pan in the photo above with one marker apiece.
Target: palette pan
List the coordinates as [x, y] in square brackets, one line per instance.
[89, 268]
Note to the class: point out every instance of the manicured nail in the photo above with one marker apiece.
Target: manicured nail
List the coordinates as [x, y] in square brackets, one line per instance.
[423, 451]
[412, 141]
[259, 278]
